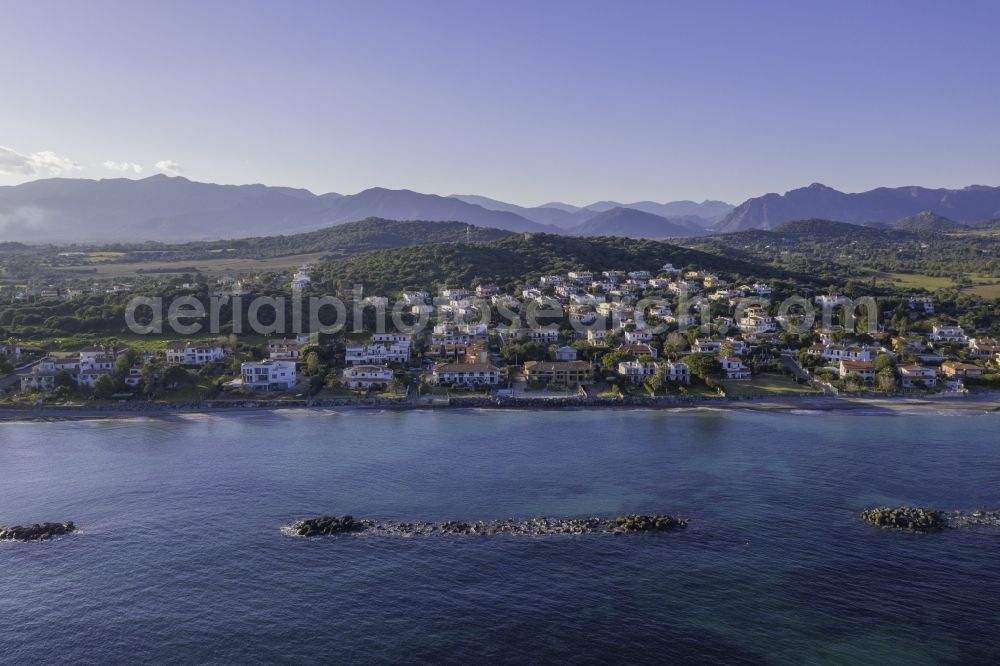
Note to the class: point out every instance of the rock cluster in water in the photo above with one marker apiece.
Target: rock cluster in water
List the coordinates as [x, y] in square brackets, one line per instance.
[329, 525]
[36, 532]
[326, 525]
[905, 517]
[977, 518]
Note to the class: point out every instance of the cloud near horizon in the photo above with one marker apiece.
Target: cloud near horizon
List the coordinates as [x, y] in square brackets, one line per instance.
[169, 167]
[123, 166]
[42, 163]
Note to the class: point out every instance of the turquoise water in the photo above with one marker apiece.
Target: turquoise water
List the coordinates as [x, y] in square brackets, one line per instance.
[179, 557]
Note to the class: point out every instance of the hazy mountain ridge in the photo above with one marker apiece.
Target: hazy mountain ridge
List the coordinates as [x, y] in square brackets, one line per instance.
[567, 216]
[633, 223]
[884, 204]
[175, 209]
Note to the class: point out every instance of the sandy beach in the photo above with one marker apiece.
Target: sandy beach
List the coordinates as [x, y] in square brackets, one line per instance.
[972, 404]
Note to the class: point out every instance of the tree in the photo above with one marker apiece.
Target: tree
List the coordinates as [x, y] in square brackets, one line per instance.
[702, 365]
[149, 377]
[124, 362]
[63, 378]
[675, 343]
[175, 375]
[886, 380]
[312, 364]
[884, 362]
[104, 387]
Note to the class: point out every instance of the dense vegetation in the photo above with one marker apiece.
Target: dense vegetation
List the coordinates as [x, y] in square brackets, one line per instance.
[834, 251]
[519, 257]
[21, 261]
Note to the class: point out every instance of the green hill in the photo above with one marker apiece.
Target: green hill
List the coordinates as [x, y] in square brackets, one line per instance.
[339, 240]
[517, 257]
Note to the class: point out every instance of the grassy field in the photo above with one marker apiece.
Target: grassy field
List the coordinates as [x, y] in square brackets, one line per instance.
[766, 384]
[139, 342]
[986, 290]
[984, 285]
[222, 266]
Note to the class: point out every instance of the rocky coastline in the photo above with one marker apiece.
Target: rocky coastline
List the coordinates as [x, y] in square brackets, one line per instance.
[542, 526]
[36, 532]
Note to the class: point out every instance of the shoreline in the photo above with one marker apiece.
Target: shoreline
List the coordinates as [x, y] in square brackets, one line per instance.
[976, 404]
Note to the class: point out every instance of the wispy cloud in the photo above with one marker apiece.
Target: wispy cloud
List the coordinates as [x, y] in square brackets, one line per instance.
[123, 166]
[42, 163]
[169, 167]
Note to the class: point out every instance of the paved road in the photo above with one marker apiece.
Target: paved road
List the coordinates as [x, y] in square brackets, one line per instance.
[798, 371]
[15, 377]
[794, 367]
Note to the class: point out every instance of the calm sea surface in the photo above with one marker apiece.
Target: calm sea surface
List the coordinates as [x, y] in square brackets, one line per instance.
[179, 557]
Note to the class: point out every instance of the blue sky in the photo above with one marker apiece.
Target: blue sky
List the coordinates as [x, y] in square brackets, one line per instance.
[526, 102]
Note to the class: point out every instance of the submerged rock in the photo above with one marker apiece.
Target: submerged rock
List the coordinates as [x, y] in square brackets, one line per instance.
[36, 532]
[543, 526]
[906, 518]
[977, 518]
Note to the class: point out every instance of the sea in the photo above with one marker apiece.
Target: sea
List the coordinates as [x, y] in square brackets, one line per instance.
[180, 556]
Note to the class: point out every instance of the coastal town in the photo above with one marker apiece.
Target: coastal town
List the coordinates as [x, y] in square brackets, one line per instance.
[639, 332]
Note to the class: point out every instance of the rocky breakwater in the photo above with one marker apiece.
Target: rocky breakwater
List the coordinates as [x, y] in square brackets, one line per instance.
[326, 526]
[36, 532]
[905, 518]
[653, 523]
[544, 526]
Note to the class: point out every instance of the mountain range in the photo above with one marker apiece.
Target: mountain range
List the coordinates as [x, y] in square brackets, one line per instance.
[885, 204]
[568, 216]
[175, 209]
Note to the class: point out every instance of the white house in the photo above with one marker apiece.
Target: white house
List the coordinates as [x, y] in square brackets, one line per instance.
[41, 378]
[566, 354]
[756, 321]
[415, 297]
[269, 375]
[917, 376]
[706, 346]
[466, 374]
[983, 347]
[187, 353]
[300, 281]
[636, 371]
[89, 377]
[596, 336]
[679, 372]
[543, 335]
[948, 334]
[734, 368]
[281, 349]
[367, 376]
[638, 336]
[384, 348]
[863, 369]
